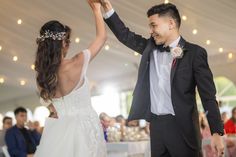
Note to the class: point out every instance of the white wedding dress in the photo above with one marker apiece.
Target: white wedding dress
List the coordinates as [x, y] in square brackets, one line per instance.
[77, 132]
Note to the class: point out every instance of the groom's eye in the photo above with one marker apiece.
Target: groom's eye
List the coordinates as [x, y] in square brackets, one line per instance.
[154, 26]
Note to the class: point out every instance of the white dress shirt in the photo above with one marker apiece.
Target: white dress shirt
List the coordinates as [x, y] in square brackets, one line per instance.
[160, 83]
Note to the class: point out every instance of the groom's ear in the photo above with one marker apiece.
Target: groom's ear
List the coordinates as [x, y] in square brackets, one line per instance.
[172, 24]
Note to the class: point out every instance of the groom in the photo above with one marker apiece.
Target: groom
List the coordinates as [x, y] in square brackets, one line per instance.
[170, 70]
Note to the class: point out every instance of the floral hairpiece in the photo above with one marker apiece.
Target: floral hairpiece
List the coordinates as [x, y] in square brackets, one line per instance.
[52, 35]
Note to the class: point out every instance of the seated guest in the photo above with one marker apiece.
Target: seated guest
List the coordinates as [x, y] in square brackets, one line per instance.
[133, 123]
[230, 125]
[224, 117]
[112, 122]
[21, 142]
[7, 123]
[37, 127]
[105, 121]
[120, 119]
[206, 134]
[122, 123]
[204, 126]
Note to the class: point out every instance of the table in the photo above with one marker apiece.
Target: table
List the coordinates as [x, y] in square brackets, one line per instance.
[129, 149]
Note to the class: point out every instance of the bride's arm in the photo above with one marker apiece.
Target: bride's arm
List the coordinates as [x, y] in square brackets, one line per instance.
[101, 35]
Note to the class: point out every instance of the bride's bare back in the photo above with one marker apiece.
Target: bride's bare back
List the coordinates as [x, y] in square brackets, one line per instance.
[69, 75]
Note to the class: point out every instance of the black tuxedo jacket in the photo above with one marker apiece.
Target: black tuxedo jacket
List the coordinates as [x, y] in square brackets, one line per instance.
[189, 72]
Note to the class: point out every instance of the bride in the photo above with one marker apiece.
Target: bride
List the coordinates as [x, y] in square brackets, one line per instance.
[75, 130]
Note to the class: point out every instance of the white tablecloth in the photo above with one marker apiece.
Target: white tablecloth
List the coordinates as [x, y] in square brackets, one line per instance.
[129, 149]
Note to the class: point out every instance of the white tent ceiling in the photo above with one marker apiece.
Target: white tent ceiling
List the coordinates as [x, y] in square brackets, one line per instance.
[214, 20]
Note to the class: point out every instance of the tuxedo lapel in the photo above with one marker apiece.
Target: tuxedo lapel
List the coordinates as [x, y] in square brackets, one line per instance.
[147, 52]
[175, 62]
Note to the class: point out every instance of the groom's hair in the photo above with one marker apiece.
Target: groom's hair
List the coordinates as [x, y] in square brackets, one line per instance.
[168, 9]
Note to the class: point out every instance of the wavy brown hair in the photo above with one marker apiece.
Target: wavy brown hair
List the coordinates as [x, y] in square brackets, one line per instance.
[48, 59]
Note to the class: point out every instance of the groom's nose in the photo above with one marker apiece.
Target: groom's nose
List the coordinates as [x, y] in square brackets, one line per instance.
[150, 31]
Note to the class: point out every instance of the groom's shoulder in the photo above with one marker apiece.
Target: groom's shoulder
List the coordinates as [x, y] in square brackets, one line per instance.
[195, 48]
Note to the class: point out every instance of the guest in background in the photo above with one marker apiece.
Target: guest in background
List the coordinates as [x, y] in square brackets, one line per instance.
[230, 130]
[230, 125]
[37, 127]
[34, 126]
[21, 142]
[105, 121]
[224, 117]
[206, 134]
[7, 123]
[223, 107]
[133, 123]
[112, 121]
[120, 119]
[204, 126]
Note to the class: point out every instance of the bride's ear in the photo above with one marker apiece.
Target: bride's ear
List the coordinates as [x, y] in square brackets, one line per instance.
[64, 44]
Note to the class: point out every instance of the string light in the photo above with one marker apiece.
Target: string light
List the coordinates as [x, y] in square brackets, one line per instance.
[184, 17]
[22, 82]
[107, 47]
[2, 80]
[19, 21]
[230, 55]
[195, 31]
[77, 40]
[15, 58]
[221, 50]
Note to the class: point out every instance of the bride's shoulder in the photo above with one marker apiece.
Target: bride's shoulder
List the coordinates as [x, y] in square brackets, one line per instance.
[78, 59]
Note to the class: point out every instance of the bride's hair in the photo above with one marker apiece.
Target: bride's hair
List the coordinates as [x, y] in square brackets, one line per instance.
[48, 56]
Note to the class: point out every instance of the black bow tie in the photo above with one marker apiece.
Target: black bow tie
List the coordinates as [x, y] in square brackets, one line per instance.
[161, 48]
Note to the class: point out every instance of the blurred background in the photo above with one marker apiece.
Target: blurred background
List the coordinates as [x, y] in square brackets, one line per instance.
[113, 74]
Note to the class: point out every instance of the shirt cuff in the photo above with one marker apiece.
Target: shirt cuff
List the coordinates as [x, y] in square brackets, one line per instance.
[108, 14]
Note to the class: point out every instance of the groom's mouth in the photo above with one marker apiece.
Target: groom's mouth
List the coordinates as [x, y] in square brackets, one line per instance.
[155, 36]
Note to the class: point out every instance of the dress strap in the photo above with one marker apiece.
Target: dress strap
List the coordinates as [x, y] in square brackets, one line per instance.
[87, 55]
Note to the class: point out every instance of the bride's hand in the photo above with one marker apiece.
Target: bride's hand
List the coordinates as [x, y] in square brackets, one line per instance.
[94, 4]
[106, 4]
[53, 112]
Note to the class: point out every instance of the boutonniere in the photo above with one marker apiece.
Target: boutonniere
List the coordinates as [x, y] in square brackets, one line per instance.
[177, 52]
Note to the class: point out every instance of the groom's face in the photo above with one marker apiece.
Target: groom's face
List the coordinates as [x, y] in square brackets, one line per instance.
[160, 28]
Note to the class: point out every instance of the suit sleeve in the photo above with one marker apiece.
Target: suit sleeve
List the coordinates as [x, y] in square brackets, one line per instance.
[207, 91]
[124, 35]
[12, 146]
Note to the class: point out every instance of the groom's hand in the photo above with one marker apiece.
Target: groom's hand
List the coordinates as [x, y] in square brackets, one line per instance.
[217, 145]
[106, 4]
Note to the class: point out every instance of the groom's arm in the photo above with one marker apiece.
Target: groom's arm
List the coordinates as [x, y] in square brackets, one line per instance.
[207, 91]
[123, 34]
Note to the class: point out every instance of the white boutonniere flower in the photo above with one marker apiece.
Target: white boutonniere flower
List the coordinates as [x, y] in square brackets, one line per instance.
[177, 52]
